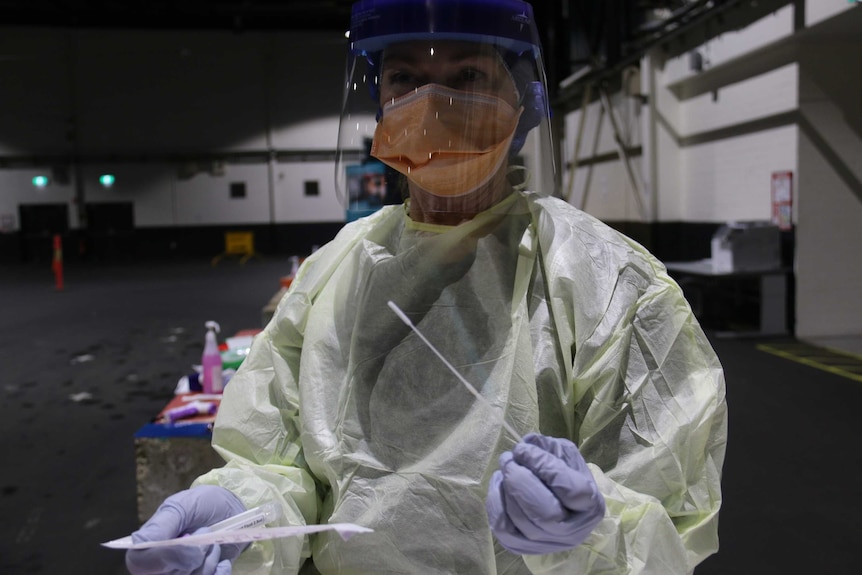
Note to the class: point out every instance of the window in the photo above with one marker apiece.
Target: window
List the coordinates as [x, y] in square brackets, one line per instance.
[312, 188]
[237, 190]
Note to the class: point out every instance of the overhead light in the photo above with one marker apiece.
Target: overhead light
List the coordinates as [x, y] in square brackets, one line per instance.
[41, 181]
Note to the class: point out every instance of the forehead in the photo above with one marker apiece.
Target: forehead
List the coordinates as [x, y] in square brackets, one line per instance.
[427, 51]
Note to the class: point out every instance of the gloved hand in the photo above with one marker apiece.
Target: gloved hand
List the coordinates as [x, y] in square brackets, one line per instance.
[189, 511]
[543, 498]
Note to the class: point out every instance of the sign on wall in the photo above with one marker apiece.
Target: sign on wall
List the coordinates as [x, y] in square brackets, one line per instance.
[782, 199]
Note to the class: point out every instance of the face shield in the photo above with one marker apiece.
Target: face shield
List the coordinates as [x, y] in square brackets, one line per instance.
[447, 100]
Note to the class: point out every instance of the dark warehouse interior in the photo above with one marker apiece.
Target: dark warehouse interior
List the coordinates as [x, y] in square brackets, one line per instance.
[87, 362]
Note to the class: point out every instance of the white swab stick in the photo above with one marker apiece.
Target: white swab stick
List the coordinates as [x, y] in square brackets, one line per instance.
[345, 530]
[466, 383]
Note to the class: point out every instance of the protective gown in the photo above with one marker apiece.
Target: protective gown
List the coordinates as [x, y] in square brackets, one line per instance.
[565, 327]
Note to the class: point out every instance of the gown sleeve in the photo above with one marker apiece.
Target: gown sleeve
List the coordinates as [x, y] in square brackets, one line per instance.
[257, 430]
[648, 395]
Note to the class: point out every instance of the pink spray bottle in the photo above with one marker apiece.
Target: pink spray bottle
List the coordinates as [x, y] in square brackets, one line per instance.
[211, 362]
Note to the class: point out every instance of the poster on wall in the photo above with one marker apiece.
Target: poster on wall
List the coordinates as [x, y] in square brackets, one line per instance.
[782, 199]
[366, 186]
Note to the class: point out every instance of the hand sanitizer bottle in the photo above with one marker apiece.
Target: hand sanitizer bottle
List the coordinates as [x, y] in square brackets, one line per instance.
[211, 362]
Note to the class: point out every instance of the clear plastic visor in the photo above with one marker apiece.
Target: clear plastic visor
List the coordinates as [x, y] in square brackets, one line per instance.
[462, 123]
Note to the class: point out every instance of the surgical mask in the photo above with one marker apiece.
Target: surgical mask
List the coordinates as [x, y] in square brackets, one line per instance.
[445, 141]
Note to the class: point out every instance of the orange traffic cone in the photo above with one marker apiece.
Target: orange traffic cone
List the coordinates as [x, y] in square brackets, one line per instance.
[57, 264]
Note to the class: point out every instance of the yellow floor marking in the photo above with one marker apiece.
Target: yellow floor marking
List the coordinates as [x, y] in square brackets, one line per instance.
[836, 362]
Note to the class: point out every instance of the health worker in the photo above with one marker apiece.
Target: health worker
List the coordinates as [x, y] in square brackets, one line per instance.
[574, 336]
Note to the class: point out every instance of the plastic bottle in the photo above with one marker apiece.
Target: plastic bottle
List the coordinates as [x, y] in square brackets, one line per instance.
[192, 409]
[211, 363]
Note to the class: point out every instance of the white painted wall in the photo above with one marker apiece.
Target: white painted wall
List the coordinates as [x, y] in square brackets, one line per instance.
[16, 188]
[771, 93]
[609, 192]
[205, 199]
[730, 179]
[828, 269]
[828, 264]
[606, 186]
[152, 188]
[669, 193]
[721, 180]
[670, 196]
[817, 11]
[731, 45]
[292, 206]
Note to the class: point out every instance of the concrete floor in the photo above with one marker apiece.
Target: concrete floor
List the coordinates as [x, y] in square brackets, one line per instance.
[124, 334]
[84, 368]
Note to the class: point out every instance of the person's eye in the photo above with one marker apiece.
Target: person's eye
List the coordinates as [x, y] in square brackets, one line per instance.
[473, 79]
[472, 75]
[399, 82]
[400, 78]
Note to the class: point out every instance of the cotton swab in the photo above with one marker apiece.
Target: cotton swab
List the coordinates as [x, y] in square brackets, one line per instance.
[345, 530]
[403, 317]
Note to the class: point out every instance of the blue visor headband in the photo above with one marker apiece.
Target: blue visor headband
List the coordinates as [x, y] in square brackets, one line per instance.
[375, 24]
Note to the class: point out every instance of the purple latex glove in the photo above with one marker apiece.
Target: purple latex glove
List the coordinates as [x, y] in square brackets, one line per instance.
[189, 511]
[543, 498]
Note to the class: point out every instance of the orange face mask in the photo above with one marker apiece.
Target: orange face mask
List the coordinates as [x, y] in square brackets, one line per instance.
[446, 141]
